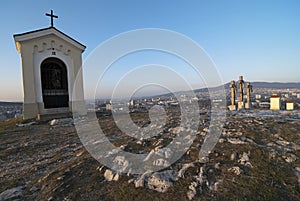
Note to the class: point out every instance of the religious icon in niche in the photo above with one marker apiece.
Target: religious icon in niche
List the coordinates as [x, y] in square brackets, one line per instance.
[54, 75]
[56, 79]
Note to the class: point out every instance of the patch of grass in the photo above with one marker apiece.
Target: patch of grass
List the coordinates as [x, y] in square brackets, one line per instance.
[8, 124]
[267, 180]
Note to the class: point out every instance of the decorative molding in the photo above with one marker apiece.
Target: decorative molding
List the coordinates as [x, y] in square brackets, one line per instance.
[45, 32]
[53, 46]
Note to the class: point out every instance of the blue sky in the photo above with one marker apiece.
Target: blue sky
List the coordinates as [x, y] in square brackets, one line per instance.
[257, 39]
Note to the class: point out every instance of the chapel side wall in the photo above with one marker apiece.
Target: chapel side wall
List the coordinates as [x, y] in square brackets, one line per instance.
[78, 103]
[30, 107]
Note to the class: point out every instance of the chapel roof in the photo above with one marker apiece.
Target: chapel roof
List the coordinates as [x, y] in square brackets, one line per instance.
[47, 31]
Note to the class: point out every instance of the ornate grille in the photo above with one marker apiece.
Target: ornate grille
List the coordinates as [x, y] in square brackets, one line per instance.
[54, 83]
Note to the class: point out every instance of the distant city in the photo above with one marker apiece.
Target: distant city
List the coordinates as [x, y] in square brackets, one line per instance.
[274, 96]
[10, 110]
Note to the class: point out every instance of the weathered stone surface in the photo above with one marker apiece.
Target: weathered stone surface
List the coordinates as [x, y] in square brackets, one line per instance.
[120, 164]
[141, 180]
[235, 141]
[200, 180]
[192, 190]
[183, 169]
[11, 193]
[290, 158]
[108, 175]
[55, 158]
[233, 156]
[116, 177]
[26, 124]
[161, 181]
[245, 160]
[236, 170]
[64, 122]
[161, 162]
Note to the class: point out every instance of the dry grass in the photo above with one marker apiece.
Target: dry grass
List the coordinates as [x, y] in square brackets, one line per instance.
[51, 163]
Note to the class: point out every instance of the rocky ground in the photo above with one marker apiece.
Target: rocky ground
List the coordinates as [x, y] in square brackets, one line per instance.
[256, 158]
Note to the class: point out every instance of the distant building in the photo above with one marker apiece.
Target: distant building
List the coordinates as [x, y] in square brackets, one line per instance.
[298, 95]
[289, 105]
[275, 103]
[131, 102]
[264, 104]
[108, 106]
[257, 96]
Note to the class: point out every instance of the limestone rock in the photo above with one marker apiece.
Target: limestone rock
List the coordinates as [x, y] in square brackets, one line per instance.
[221, 140]
[290, 158]
[161, 162]
[215, 185]
[192, 190]
[183, 169]
[116, 177]
[161, 181]
[235, 141]
[26, 124]
[53, 122]
[120, 164]
[236, 170]
[217, 165]
[140, 182]
[272, 154]
[201, 178]
[65, 122]
[165, 152]
[199, 181]
[245, 160]
[11, 193]
[109, 175]
[233, 156]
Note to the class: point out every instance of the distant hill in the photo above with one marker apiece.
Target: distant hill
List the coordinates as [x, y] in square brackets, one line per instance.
[268, 85]
[2, 103]
[277, 85]
[272, 85]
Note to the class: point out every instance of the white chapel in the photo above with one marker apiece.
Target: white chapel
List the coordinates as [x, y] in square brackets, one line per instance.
[51, 68]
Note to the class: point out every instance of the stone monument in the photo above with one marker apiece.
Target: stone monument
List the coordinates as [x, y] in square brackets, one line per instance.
[241, 102]
[249, 91]
[241, 98]
[51, 62]
[233, 94]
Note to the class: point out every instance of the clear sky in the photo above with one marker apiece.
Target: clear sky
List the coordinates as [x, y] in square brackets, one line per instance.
[257, 39]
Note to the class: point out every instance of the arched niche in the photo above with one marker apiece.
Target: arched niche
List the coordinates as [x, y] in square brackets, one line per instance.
[54, 79]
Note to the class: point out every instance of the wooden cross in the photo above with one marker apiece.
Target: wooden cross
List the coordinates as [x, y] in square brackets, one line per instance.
[52, 16]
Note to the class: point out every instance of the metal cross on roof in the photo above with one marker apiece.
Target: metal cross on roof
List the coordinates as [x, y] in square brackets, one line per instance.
[52, 16]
